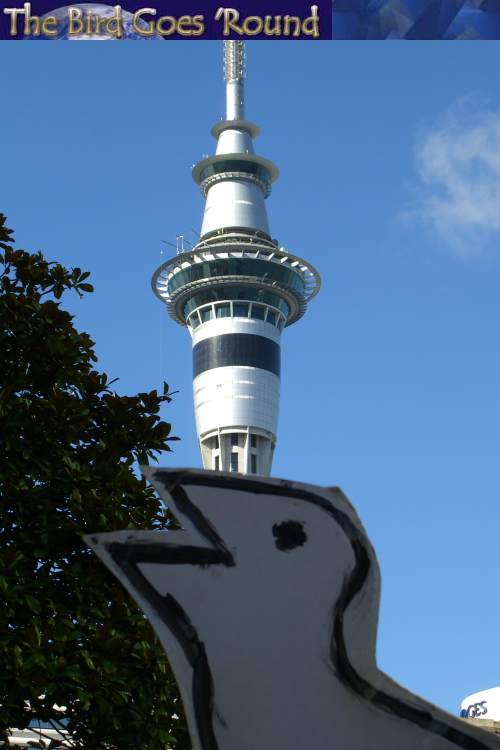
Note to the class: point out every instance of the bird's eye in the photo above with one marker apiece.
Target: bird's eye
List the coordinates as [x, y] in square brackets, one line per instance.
[289, 535]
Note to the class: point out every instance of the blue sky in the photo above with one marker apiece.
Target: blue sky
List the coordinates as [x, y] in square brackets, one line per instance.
[390, 186]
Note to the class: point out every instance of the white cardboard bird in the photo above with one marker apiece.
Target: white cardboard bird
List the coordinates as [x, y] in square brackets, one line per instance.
[266, 603]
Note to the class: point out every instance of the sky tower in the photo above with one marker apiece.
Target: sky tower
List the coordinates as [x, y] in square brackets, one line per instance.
[235, 291]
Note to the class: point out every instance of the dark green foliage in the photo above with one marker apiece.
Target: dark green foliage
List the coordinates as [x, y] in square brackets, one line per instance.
[69, 633]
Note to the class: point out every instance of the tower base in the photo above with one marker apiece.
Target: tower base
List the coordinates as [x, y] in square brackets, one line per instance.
[238, 449]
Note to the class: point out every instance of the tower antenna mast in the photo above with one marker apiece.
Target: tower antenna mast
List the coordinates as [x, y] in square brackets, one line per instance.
[234, 75]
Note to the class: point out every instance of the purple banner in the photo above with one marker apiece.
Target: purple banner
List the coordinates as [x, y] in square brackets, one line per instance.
[168, 19]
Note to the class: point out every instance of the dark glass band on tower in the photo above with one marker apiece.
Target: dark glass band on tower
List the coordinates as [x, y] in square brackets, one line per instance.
[236, 350]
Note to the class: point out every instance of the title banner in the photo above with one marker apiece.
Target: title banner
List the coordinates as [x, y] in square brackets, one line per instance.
[169, 19]
[257, 19]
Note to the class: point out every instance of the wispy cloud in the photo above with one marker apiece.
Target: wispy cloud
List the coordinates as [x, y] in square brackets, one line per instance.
[458, 167]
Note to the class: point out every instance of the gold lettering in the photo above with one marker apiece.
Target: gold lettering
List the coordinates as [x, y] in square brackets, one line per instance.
[114, 25]
[287, 20]
[199, 26]
[161, 28]
[256, 22]
[47, 22]
[14, 13]
[75, 23]
[88, 23]
[99, 21]
[231, 16]
[29, 20]
[150, 30]
[181, 23]
[310, 25]
[272, 31]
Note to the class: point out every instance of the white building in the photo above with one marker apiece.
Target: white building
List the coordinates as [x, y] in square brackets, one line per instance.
[484, 705]
[235, 291]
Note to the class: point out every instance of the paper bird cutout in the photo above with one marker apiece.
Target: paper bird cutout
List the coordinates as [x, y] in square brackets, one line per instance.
[266, 603]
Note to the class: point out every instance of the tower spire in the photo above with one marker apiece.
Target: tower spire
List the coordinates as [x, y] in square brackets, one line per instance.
[234, 75]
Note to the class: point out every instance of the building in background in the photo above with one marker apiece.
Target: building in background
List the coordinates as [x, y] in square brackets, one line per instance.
[235, 291]
[483, 705]
[483, 709]
[39, 734]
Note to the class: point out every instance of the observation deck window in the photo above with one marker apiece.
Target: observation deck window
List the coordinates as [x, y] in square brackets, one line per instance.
[248, 267]
[238, 294]
[235, 165]
[258, 312]
[240, 309]
[223, 311]
[231, 309]
[234, 438]
[194, 320]
[206, 313]
[234, 462]
[216, 463]
[253, 441]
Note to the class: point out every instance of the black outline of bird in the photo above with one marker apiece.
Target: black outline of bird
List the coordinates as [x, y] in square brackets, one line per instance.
[302, 552]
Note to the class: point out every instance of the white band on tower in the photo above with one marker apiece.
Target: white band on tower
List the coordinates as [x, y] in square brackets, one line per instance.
[234, 74]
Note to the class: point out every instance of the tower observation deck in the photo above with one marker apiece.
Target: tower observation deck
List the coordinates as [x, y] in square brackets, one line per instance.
[235, 291]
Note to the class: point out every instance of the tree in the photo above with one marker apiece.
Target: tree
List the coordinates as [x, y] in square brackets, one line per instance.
[69, 633]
